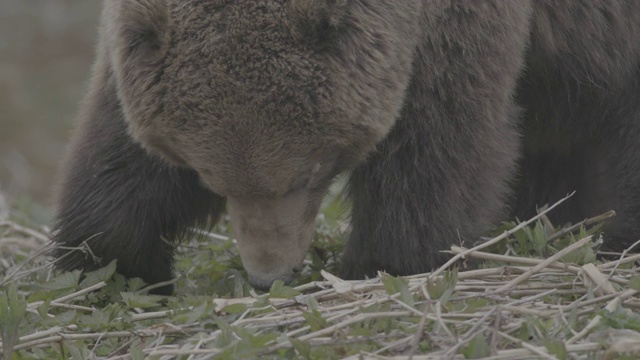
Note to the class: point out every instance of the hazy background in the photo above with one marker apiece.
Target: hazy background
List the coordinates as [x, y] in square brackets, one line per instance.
[46, 51]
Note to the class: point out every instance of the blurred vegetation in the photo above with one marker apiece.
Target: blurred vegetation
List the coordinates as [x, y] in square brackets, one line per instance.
[46, 51]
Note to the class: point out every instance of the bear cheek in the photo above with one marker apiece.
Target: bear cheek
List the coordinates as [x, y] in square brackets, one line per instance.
[273, 236]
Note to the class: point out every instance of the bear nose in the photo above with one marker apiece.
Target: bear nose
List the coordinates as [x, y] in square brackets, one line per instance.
[264, 284]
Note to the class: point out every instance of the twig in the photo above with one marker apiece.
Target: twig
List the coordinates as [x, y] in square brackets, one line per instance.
[499, 238]
[578, 244]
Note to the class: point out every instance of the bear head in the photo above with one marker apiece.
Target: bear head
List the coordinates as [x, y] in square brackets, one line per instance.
[268, 100]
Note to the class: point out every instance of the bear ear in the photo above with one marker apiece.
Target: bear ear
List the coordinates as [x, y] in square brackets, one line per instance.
[317, 20]
[144, 28]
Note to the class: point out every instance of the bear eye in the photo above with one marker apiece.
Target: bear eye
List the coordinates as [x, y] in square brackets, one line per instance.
[146, 39]
[299, 186]
[143, 31]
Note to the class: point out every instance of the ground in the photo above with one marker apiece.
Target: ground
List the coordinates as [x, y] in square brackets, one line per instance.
[533, 291]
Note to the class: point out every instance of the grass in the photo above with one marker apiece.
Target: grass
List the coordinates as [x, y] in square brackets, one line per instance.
[535, 292]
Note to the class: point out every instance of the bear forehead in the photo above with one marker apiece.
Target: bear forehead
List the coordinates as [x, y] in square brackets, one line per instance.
[241, 56]
[238, 61]
[230, 18]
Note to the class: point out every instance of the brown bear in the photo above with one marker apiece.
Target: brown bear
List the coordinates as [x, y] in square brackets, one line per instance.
[448, 115]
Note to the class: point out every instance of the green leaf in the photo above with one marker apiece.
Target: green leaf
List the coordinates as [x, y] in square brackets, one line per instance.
[620, 319]
[61, 319]
[477, 348]
[235, 309]
[557, 348]
[13, 308]
[66, 281]
[395, 285]
[200, 311]
[441, 288]
[303, 348]
[261, 302]
[135, 284]
[473, 304]
[524, 333]
[141, 301]
[103, 274]
[111, 317]
[539, 239]
[314, 320]
[78, 350]
[311, 302]
[226, 337]
[258, 340]
[280, 290]
[136, 353]
[634, 283]
[583, 255]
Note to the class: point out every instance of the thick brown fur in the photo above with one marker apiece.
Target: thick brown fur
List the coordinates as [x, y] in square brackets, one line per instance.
[446, 113]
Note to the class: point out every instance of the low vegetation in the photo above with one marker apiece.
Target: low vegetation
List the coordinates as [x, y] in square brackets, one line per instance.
[534, 290]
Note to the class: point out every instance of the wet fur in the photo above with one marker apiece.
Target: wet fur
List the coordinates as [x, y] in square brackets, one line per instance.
[472, 111]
